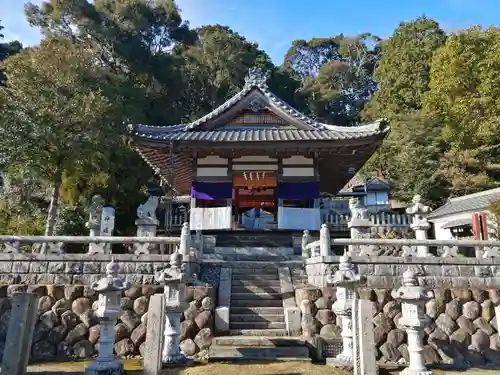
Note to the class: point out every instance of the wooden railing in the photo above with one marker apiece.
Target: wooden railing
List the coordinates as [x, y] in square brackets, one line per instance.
[336, 221]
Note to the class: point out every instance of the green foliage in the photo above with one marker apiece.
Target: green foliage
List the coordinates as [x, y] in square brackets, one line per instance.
[494, 209]
[463, 96]
[214, 68]
[6, 50]
[53, 108]
[403, 71]
[22, 201]
[409, 158]
[336, 74]
[110, 62]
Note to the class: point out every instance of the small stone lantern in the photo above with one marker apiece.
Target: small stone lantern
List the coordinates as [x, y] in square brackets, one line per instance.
[419, 223]
[413, 298]
[347, 281]
[174, 278]
[110, 289]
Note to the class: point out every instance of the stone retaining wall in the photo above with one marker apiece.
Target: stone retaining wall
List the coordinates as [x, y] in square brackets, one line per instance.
[463, 329]
[67, 327]
[83, 269]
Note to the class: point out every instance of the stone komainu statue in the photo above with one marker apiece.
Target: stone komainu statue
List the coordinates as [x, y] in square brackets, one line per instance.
[357, 210]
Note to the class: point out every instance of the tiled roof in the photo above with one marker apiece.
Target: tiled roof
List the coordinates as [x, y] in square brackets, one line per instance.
[472, 202]
[249, 135]
[309, 129]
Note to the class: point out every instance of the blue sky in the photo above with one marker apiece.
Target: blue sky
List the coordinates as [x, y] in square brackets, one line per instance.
[273, 24]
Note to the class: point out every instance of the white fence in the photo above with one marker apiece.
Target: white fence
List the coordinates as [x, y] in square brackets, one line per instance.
[335, 220]
[339, 222]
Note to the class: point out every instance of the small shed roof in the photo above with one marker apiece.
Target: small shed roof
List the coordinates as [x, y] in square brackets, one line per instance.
[472, 202]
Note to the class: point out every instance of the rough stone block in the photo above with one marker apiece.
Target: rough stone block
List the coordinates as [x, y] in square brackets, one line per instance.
[38, 267]
[56, 267]
[20, 267]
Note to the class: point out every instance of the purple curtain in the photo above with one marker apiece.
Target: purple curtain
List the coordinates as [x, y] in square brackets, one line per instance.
[211, 191]
[298, 190]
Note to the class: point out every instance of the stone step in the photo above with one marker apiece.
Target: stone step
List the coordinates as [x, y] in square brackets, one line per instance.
[256, 270]
[253, 250]
[255, 276]
[256, 289]
[256, 283]
[257, 341]
[237, 258]
[226, 353]
[258, 332]
[258, 263]
[257, 239]
[255, 296]
[256, 310]
[256, 325]
[256, 303]
[256, 318]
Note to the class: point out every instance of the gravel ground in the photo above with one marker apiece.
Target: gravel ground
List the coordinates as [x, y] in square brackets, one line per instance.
[278, 368]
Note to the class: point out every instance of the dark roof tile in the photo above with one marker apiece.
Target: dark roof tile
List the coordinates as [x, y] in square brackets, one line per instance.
[472, 202]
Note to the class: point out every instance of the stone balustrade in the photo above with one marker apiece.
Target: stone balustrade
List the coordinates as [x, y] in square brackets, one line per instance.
[408, 247]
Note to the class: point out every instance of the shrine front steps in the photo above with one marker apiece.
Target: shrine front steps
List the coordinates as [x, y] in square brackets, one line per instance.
[244, 254]
[256, 285]
[258, 348]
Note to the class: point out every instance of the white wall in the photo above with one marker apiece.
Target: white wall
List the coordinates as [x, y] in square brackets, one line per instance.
[445, 233]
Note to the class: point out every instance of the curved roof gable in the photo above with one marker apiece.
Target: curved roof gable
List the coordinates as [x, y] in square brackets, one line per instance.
[256, 96]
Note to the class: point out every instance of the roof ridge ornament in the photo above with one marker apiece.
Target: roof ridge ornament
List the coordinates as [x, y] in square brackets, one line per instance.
[256, 77]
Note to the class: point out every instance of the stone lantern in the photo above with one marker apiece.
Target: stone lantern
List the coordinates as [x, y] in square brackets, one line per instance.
[174, 278]
[110, 289]
[413, 298]
[347, 281]
[419, 223]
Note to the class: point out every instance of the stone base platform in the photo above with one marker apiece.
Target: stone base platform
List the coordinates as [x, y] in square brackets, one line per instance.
[259, 348]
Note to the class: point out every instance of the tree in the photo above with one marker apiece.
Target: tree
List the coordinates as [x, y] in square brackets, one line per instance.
[463, 95]
[214, 68]
[22, 203]
[402, 73]
[131, 37]
[336, 75]
[409, 157]
[494, 209]
[6, 50]
[54, 107]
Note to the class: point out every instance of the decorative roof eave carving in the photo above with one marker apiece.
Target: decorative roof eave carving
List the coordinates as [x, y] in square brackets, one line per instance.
[256, 81]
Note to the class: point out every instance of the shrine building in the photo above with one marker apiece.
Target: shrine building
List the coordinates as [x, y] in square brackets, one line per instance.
[255, 162]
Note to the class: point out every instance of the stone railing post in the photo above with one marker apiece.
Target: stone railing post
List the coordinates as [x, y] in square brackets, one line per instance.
[347, 282]
[109, 289]
[413, 298]
[307, 319]
[419, 223]
[185, 244]
[324, 241]
[175, 281]
[94, 221]
[306, 238]
[360, 227]
[200, 244]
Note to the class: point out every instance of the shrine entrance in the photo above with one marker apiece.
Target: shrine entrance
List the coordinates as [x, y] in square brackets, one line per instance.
[255, 200]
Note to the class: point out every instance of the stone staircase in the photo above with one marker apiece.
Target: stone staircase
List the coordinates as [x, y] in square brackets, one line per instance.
[257, 320]
[256, 303]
